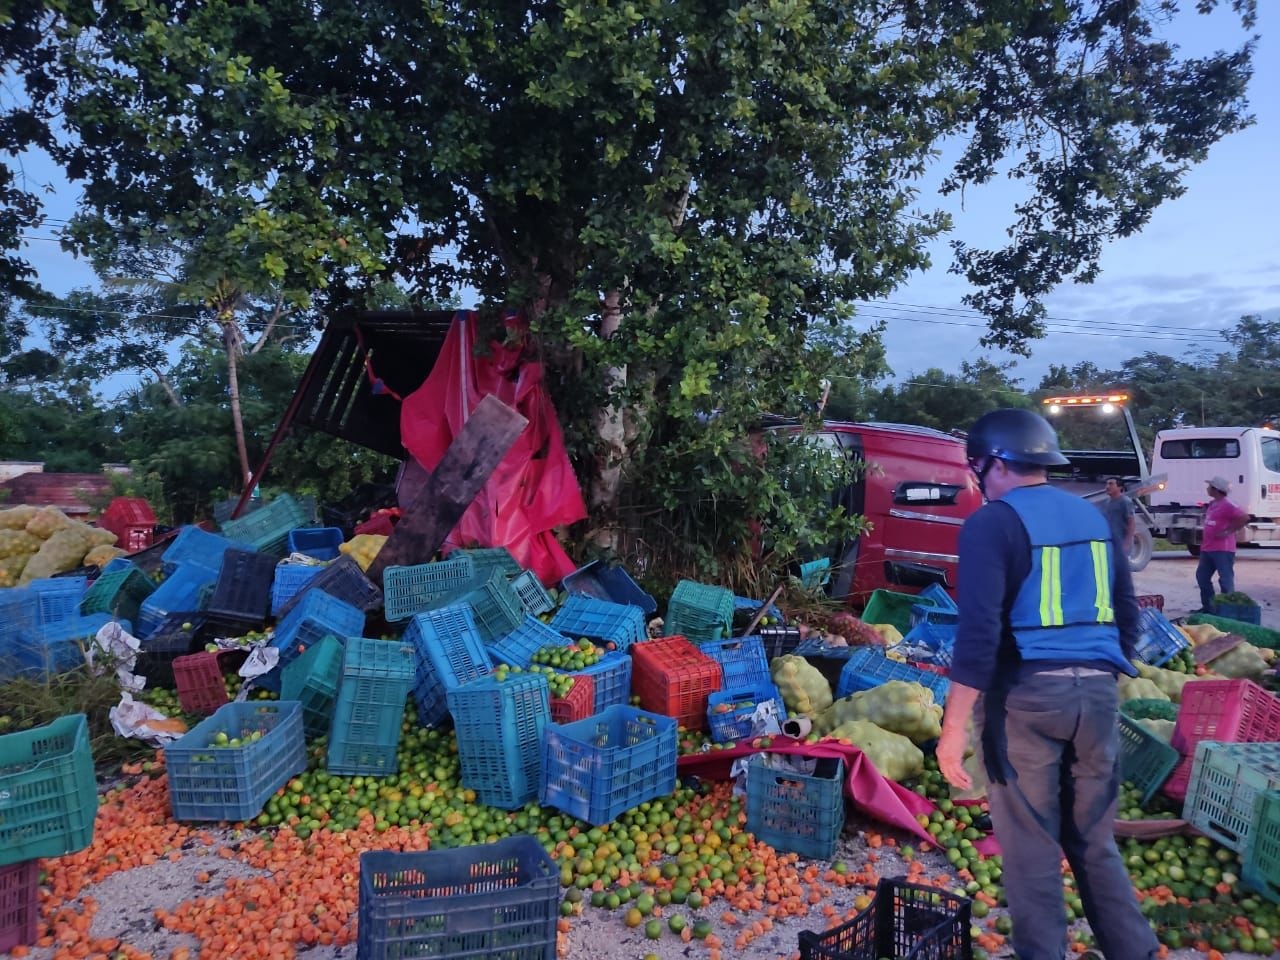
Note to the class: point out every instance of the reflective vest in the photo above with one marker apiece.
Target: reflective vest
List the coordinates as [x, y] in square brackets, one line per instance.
[1063, 611]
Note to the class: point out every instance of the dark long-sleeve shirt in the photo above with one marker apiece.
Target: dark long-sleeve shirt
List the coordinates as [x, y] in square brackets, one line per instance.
[995, 559]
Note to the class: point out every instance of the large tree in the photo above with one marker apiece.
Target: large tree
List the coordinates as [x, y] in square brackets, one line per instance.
[674, 193]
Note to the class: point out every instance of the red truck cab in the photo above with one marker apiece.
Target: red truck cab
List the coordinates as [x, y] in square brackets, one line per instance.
[915, 489]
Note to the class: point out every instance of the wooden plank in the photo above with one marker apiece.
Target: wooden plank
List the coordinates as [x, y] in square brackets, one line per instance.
[459, 477]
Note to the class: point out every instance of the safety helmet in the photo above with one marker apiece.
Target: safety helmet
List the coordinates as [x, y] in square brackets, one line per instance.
[1019, 436]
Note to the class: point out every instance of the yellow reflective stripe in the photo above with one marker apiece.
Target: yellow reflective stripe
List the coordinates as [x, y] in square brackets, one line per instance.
[1102, 581]
[1050, 587]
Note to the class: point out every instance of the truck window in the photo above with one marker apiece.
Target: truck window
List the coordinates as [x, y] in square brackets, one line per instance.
[1200, 448]
[1271, 454]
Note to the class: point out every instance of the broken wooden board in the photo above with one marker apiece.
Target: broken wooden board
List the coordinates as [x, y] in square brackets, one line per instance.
[459, 477]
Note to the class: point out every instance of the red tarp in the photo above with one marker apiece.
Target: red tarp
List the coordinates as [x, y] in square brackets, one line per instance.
[534, 489]
[871, 792]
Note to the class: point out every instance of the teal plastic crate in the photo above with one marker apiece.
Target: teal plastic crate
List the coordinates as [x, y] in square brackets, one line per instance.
[449, 653]
[412, 589]
[886, 606]
[368, 713]
[312, 680]
[616, 625]
[488, 559]
[120, 593]
[699, 611]
[533, 595]
[1145, 760]
[50, 796]
[225, 783]
[1262, 858]
[267, 528]
[796, 812]
[1226, 779]
[499, 725]
[598, 768]
[495, 606]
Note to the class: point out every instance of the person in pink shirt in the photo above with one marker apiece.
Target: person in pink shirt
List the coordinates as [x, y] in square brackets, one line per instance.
[1222, 519]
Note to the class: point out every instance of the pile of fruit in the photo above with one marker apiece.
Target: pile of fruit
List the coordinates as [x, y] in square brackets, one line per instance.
[40, 542]
[559, 683]
[573, 656]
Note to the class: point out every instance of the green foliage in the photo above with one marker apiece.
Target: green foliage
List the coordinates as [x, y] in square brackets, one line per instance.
[947, 401]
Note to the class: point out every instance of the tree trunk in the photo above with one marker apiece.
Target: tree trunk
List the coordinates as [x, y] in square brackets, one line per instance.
[611, 450]
[231, 342]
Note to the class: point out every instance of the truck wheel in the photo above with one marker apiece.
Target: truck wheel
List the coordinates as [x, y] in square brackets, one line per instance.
[1193, 549]
[1140, 549]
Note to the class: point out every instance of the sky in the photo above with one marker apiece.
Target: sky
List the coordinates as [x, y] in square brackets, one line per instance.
[1203, 261]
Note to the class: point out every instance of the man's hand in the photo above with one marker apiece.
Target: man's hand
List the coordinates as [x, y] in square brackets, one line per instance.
[950, 750]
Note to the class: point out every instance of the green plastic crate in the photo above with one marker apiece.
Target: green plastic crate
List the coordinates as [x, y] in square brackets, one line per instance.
[886, 606]
[312, 680]
[267, 528]
[1262, 860]
[699, 612]
[119, 593]
[48, 795]
[1145, 760]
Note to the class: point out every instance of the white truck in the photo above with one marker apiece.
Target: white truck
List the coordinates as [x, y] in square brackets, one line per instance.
[1169, 496]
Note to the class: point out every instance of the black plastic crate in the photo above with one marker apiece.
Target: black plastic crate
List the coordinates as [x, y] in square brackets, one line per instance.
[180, 634]
[243, 588]
[903, 921]
[342, 579]
[779, 641]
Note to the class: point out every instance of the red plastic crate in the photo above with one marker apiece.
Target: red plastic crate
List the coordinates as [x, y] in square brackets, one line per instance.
[200, 682]
[577, 704]
[133, 522]
[674, 678]
[19, 904]
[1152, 600]
[1232, 711]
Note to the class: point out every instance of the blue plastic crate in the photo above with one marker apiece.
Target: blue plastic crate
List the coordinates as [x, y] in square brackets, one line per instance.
[499, 726]
[412, 589]
[929, 642]
[58, 647]
[596, 769]
[1158, 640]
[449, 654]
[322, 543]
[605, 581]
[341, 578]
[927, 613]
[729, 712]
[867, 667]
[533, 595]
[210, 782]
[742, 660]
[699, 612]
[616, 625]
[180, 591]
[195, 547]
[377, 676]
[496, 900]
[795, 812]
[611, 675]
[289, 581]
[938, 596]
[19, 615]
[518, 647]
[314, 617]
[58, 598]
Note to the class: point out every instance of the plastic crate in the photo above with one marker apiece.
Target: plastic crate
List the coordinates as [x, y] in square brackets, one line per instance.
[699, 612]
[533, 595]
[316, 616]
[500, 725]
[1226, 779]
[289, 581]
[243, 587]
[1261, 869]
[199, 681]
[1235, 711]
[814, 574]
[449, 654]
[597, 768]
[1145, 760]
[267, 528]
[674, 678]
[904, 921]
[1244, 612]
[495, 607]
[50, 794]
[341, 578]
[120, 593]
[322, 543]
[924, 613]
[312, 680]
[796, 812]
[57, 598]
[58, 647]
[605, 581]
[368, 712]
[195, 547]
[938, 596]
[19, 904]
[778, 641]
[885, 606]
[132, 520]
[1159, 641]
[180, 634]
[1151, 600]
[18, 615]
[495, 900]
[347, 513]
[868, 667]
[1150, 708]
[729, 711]
[487, 559]
[180, 591]
[616, 625]
[517, 648]
[611, 675]
[208, 782]
[410, 590]
[929, 642]
[578, 704]
[742, 660]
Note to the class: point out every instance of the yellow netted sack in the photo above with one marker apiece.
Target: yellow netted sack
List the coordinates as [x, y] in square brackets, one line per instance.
[63, 551]
[99, 537]
[896, 706]
[15, 542]
[1170, 682]
[803, 687]
[894, 755]
[17, 518]
[48, 521]
[1139, 688]
[101, 555]
[11, 569]
[363, 548]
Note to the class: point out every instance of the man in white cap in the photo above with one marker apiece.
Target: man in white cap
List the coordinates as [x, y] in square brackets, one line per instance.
[1222, 519]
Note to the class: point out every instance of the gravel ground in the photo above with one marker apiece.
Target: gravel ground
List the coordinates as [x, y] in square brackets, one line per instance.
[1173, 575]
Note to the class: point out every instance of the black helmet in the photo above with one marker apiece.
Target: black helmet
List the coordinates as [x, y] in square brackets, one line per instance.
[1019, 436]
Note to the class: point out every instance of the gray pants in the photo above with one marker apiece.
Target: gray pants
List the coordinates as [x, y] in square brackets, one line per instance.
[1222, 562]
[1051, 749]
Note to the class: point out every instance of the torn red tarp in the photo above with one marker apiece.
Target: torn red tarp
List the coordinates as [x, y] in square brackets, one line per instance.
[871, 792]
[533, 490]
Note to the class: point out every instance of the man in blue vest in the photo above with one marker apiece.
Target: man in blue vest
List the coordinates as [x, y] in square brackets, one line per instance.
[1048, 621]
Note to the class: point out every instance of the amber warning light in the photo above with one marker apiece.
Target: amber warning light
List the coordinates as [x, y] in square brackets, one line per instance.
[1107, 401]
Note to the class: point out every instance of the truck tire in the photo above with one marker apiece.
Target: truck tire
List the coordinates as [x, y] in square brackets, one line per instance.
[1140, 549]
[1193, 549]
